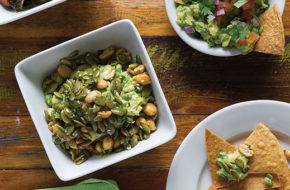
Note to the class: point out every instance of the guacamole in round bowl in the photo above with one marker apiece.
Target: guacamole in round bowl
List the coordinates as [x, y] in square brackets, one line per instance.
[228, 23]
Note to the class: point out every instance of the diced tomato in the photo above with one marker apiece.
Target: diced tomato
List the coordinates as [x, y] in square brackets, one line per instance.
[248, 14]
[252, 38]
[242, 41]
[250, 4]
[5, 3]
[224, 4]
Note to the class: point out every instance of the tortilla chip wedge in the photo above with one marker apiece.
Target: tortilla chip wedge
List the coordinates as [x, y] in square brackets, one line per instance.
[212, 188]
[214, 145]
[268, 155]
[285, 180]
[272, 39]
[253, 182]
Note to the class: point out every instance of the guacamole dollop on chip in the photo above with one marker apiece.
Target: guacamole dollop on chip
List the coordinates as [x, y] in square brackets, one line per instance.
[214, 145]
[233, 166]
[257, 164]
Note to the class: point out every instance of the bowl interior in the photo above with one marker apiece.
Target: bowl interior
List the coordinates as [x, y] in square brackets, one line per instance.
[7, 15]
[31, 72]
[202, 45]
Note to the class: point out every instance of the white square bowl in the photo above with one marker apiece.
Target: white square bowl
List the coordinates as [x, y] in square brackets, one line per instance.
[7, 16]
[31, 72]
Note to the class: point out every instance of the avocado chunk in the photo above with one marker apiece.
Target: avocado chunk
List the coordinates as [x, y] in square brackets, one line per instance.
[233, 166]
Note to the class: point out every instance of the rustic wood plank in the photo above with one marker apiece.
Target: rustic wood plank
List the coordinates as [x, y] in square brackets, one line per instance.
[74, 18]
[127, 178]
[193, 83]
[20, 144]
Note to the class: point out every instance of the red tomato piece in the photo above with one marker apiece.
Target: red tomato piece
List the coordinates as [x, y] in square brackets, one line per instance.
[5, 3]
[242, 41]
[228, 6]
[253, 37]
[250, 4]
[225, 5]
[248, 14]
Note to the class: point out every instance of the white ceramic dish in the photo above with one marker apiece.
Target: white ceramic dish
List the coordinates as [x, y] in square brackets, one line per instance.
[202, 45]
[31, 72]
[7, 16]
[189, 169]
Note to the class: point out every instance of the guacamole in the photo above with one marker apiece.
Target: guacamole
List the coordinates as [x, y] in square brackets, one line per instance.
[233, 166]
[229, 23]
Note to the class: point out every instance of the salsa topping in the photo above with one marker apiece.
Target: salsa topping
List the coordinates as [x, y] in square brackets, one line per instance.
[229, 23]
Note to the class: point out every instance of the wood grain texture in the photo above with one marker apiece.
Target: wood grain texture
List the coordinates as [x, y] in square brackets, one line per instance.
[127, 178]
[76, 17]
[193, 83]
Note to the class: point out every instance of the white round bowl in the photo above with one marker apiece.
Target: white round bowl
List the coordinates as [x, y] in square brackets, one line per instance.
[199, 44]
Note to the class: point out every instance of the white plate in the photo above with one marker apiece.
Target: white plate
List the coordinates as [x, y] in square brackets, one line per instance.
[7, 16]
[202, 45]
[31, 72]
[189, 169]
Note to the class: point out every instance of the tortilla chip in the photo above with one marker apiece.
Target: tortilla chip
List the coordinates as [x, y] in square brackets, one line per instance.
[268, 155]
[212, 188]
[214, 145]
[272, 39]
[253, 182]
[285, 181]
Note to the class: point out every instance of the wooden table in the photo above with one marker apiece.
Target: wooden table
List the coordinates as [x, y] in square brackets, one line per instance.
[195, 86]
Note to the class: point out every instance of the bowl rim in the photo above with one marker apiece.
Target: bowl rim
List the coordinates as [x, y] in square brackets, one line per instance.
[28, 12]
[171, 128]
[199, 44]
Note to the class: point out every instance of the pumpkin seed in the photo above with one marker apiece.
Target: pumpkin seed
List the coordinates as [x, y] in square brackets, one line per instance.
[73, 54]
[66, 62]
[119, 111]
[51, 88]
[134, 140]
[64, 117]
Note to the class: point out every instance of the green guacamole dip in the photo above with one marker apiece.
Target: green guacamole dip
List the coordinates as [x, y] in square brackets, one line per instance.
[234, 166]
[229, 23]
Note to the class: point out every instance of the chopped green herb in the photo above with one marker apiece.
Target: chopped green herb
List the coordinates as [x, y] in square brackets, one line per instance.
[206, 11]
